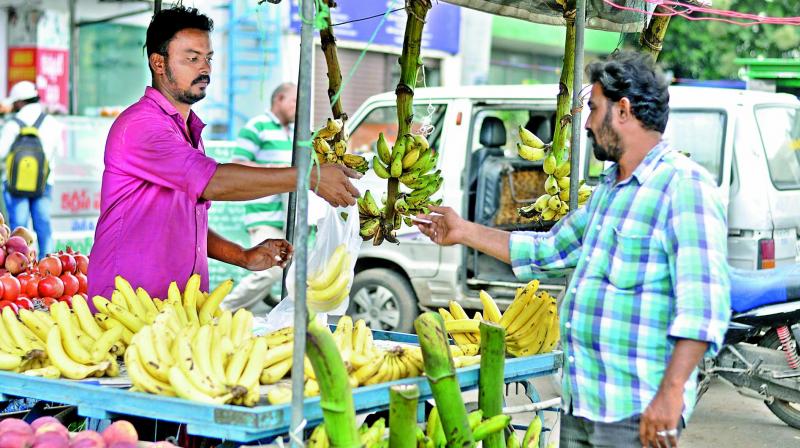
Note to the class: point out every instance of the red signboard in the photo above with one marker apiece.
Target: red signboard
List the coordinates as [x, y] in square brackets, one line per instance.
[46, 67]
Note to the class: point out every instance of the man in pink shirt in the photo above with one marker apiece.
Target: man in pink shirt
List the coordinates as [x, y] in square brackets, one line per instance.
[158, 183]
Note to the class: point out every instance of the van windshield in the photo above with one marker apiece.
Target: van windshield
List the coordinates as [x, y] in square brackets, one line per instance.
[779, 127]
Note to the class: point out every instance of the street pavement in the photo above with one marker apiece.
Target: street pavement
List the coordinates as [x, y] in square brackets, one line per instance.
[723, 418]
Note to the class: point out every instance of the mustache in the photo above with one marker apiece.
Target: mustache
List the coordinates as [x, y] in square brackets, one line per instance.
[202, 78]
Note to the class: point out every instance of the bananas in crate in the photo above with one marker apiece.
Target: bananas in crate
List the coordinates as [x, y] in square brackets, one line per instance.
[531, 322]
[328, 287]
[554, 203]
[329, 149]
[410, 162]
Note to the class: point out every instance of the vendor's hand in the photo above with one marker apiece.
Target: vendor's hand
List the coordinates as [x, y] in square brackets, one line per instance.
[659, 423]
[334, 184]
[447, 227]
[268, 254]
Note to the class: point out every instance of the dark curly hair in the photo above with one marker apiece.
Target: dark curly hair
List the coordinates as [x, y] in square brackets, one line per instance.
[634, 76]
[168, 22]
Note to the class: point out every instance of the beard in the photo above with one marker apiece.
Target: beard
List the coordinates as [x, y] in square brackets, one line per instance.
[187, 96]
[610, 150]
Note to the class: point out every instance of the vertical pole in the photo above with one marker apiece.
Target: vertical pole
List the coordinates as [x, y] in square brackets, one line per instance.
[73, 58]
[157, 6]
[577, 82]
[302, 159]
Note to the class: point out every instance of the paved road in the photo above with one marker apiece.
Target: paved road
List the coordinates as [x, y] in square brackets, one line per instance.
[722, 419]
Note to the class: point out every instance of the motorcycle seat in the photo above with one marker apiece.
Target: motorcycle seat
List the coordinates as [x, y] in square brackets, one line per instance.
[752, 289]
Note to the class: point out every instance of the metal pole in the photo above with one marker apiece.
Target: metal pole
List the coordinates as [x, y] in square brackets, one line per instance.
[577, 84]
[73, 58]
[302, 134]
[157, 6]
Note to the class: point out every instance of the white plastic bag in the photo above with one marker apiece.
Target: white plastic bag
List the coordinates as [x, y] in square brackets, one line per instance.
[332, 231]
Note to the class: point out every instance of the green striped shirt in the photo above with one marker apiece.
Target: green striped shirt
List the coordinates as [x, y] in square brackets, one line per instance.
[264, 141]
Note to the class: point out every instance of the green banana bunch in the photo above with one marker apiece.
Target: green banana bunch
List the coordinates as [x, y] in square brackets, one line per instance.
[528, 138]
[355, 162]
[380, 170]
[369, 228]
[383, 150]
[530, 153]
[551, 185]
[398, 152]
[563, 182]
[549, 165]
[367, 205]
[562, 170]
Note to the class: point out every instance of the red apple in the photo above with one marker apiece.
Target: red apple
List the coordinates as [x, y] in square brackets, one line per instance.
[10, 287]
[15, 425]
[17, 244]
[120, 431]
[16, 263]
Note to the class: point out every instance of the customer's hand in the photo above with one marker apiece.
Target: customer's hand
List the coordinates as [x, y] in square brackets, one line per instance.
[659, 422]
[268, 254]
[332, 183]
[446, 228]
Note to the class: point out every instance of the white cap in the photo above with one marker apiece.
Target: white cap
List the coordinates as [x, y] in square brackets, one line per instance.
[23, 90]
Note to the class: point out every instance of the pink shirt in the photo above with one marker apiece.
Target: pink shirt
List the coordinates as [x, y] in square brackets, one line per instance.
[153, 226]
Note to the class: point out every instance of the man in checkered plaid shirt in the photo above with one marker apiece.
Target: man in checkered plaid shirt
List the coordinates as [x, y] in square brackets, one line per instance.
[650, 293]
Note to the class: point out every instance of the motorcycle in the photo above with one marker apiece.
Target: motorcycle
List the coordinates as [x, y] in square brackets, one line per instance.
[760, 355]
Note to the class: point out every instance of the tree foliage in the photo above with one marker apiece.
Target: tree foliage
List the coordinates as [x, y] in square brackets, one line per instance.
[707, 49]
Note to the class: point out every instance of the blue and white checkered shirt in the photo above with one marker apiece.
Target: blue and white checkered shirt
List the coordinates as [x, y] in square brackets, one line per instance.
[650, 267]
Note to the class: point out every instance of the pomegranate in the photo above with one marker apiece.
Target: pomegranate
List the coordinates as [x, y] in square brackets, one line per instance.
[24, 302]
[16, 263]
[17, 244]
[32, 286]
[50, 265]
[83, 262]
[83, 284]
[10, 287]
[51, 286]
[67, 262]
[71, 284]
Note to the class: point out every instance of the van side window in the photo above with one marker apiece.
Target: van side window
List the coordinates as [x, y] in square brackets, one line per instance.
[700, 134]
[779, 127]
[384, 119]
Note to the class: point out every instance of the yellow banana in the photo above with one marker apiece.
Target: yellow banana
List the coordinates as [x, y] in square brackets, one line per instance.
[146, 301]
[9, 361]
[105, 343]
[529, 153]
[279, 337]
[81, 310]
[462, 326]
[190, 293]
[101, 304]
[33, 323]
[255, 363]
[134, 305]
[238, 363]
[490, 310]
[410, 158]
[14, 330]
[521, 299]
[213, 301]
[278, 354]
[330, 271]
[529, 138]
[379, 169]
[144, 343]
[133, 323]
[141, 379]
[562, 170]
[51, 372]
[457, 311]
[184, 388]
[549, 164]
[68, 368]
[275, 372]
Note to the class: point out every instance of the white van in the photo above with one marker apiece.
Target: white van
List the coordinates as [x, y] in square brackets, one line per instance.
[749, 141]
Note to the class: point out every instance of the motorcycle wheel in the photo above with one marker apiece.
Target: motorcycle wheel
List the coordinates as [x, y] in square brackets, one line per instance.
[787, 411]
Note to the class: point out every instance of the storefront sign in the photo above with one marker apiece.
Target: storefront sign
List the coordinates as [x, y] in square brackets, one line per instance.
[441, 30]
[47, 68]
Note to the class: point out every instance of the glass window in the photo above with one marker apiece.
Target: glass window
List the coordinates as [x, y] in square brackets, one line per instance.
[780, 133]
[539, 122]
[384, 119]
[700, 134]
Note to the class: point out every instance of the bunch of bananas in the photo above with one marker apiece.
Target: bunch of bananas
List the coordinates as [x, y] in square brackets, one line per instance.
[328, 287]
[554, 204]
[531, 322]
[377, 436]
[332, 150]
[410, 161]
[57, 344]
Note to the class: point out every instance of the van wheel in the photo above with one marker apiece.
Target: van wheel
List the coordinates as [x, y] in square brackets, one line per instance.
[384, 299]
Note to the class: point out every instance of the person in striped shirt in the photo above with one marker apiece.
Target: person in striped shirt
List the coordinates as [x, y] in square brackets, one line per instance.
[650, 293]
[266, 140]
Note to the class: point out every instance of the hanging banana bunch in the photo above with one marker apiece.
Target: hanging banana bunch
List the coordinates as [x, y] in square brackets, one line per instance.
[554, 204]
[330, 150]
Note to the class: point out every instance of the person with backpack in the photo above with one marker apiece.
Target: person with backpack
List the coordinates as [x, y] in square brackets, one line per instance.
[29, 140]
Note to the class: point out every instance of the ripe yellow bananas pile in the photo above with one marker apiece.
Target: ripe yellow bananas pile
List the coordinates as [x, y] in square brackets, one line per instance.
[409, 161]
[328, 287]
[531, 322]
[554, 204]
[338, 152]
[57, 344]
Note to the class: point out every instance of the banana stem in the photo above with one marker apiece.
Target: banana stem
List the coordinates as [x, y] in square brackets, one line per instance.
[564, 98]
[441, 375]
[403, 401]
[336, 398]
[651, 38]
[490, 382]
[410, 63]
[329, 49]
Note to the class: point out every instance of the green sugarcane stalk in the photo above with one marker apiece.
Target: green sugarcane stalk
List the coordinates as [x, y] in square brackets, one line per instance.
[564, 98]
[403, 400]
[410, 63]
[336, 398]
[329, 49]
[441, 373]
[490, 381]
[651, 38]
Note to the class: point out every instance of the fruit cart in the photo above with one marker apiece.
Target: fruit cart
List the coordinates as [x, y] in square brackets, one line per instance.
[238, 423]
